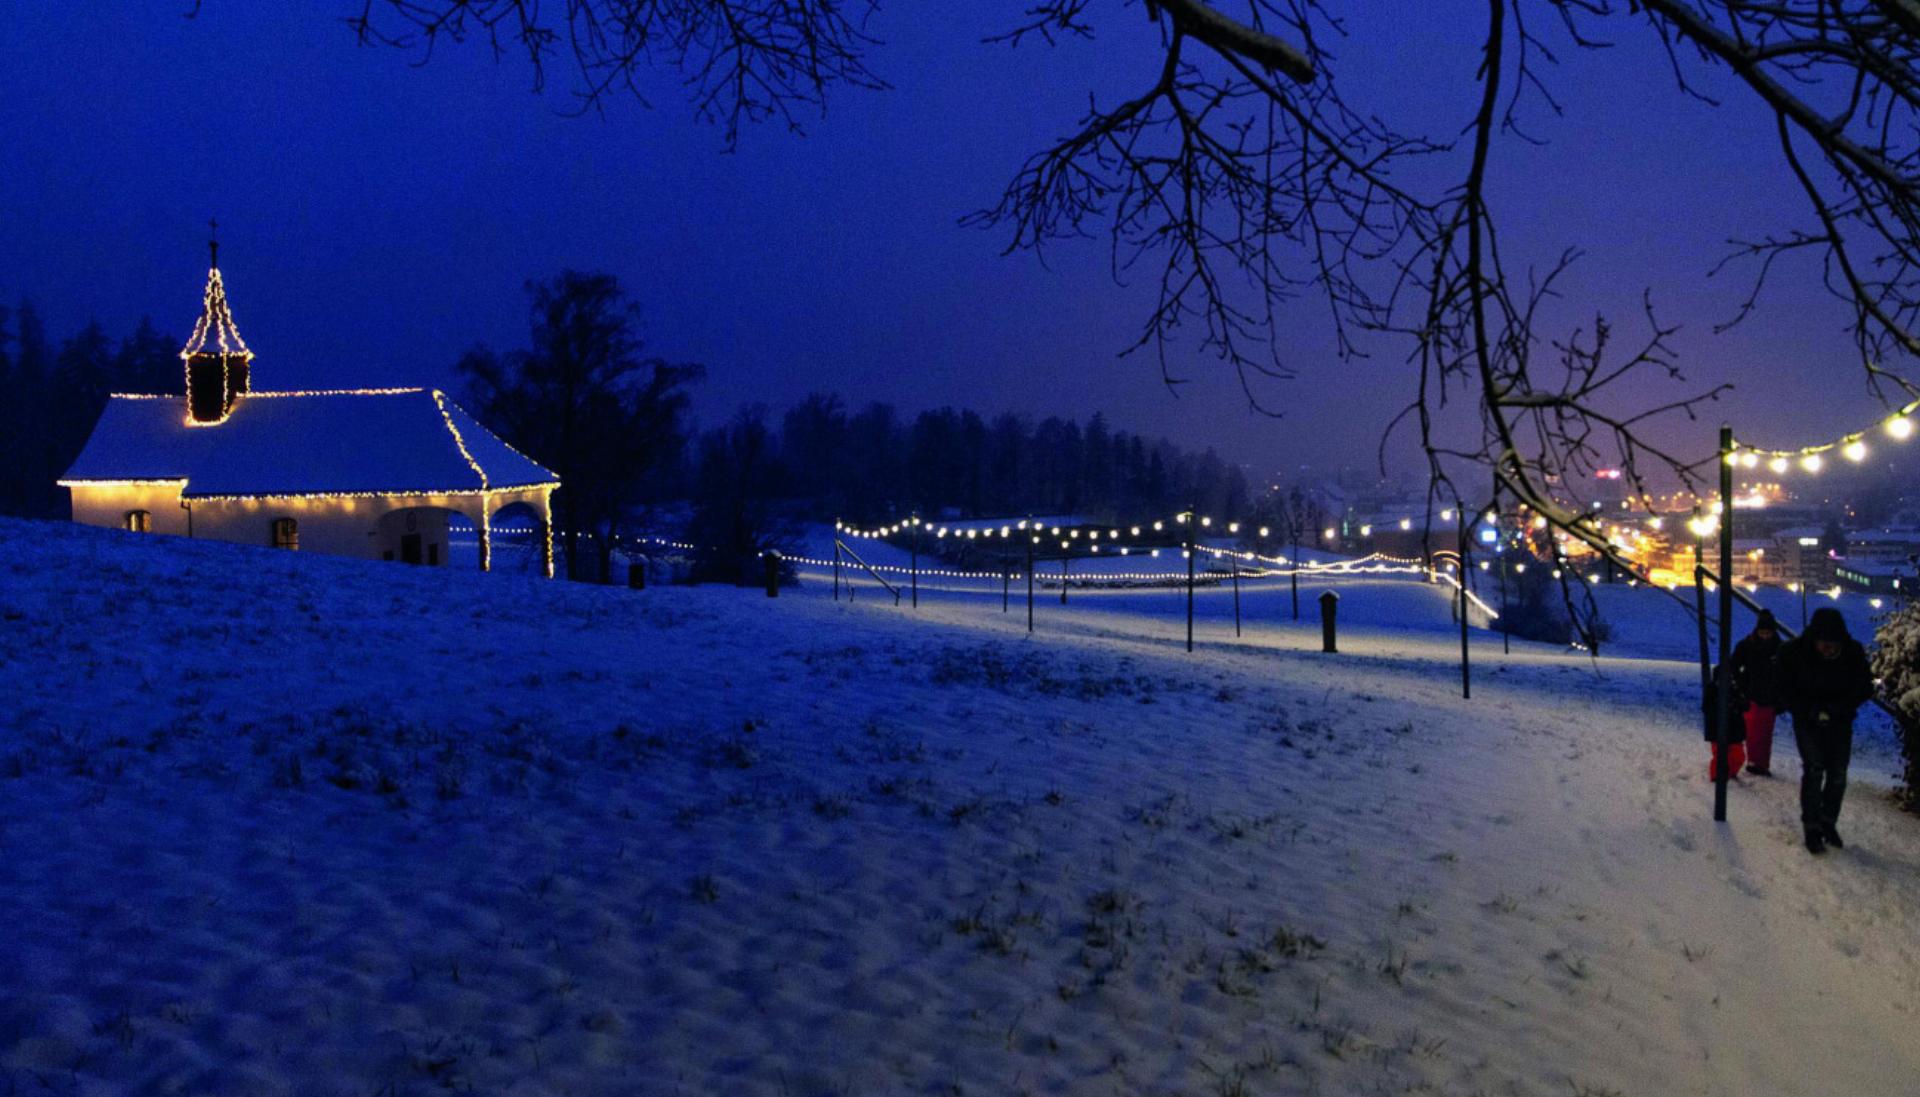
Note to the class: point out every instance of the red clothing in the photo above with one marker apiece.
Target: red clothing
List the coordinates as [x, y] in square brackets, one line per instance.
[1736, 753]
[1760, 736]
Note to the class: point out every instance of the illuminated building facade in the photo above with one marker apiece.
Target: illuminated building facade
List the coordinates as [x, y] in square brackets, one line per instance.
[373, 473]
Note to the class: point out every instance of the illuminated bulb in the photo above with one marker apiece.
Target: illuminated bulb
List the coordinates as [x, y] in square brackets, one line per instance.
[1520, 569]
[1329, 534]
[1366, 531]
[1233, 527]
[1483, 565]
[1749, 459]
[1159, 525]
[1136, 531]
[1900, 427]
[1874, 602]
[1206, 521]
[1655, 522]
[1556, 573]
[1778, 464]
[1811, 462]
[1855, 450]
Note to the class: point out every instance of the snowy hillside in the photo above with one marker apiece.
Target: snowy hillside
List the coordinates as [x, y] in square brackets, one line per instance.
[279, 823]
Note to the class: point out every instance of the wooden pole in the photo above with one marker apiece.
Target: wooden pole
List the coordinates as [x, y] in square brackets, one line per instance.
[1506, 632]
[1063, 580]
[1722, 711]
[913, 542]
[1700, 607]
[836, 569]
[1192, 520]
[1466, 672]
[1029, 583]
[1295, 562]
[1234, 560]
[1006, 585]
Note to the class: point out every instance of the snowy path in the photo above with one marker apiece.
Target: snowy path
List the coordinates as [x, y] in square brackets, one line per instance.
[278, 824]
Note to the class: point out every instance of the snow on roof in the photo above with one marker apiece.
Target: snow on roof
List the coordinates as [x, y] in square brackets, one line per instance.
[1884, 537]
[386, 441]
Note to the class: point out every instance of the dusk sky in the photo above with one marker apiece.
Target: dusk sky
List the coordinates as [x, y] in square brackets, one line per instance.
[378, 217]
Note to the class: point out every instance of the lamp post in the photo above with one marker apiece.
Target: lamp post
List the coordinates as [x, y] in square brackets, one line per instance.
[1722, 713]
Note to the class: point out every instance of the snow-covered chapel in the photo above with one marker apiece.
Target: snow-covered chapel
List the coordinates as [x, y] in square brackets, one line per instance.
[375, 473]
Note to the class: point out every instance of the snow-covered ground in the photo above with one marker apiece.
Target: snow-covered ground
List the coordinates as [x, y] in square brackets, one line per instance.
[282, 823]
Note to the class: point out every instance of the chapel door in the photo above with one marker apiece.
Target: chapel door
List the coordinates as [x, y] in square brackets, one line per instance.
[409, 548]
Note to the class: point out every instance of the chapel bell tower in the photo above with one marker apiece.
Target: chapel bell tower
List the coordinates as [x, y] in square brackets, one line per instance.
[218, 361]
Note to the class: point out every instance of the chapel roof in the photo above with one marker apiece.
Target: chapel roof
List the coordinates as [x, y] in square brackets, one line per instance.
[360, 441]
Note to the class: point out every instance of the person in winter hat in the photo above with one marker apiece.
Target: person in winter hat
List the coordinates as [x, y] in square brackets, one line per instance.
[1823, 680]
[1736, 730]
[1755, 690]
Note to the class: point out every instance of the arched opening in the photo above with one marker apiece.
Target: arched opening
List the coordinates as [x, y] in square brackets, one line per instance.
[520, 539]
[139, 521]
[416, 535]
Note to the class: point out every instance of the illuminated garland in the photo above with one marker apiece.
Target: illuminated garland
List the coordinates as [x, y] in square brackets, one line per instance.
[216, 318]
[1035, 531]
[1898, 426]
[119, 483]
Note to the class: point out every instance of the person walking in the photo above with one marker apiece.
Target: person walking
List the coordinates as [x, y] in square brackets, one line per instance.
[1757, 691]
[1823, 680]
[1722, 678]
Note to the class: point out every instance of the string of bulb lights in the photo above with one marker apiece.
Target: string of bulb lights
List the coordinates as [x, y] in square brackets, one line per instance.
[1898, 426]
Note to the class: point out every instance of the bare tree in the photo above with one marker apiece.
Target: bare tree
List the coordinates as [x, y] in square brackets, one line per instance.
[585, 400]
[1238, 176]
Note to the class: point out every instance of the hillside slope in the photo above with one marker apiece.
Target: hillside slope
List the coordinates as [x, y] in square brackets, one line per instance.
[276, 823]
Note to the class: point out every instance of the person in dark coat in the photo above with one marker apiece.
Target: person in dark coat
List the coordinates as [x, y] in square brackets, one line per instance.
[1736, 733]
[1755, 691]
[1823, 680]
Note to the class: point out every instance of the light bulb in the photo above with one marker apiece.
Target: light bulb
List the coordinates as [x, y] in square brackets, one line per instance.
[1811, 462]
[1855, 450]
[1778, 464]
[1900, 427]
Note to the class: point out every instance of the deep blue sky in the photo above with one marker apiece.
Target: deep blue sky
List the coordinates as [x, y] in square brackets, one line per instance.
[378, 217]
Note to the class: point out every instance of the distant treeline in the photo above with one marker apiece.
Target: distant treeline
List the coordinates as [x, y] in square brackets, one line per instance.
[50, 397]
[874, 464]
